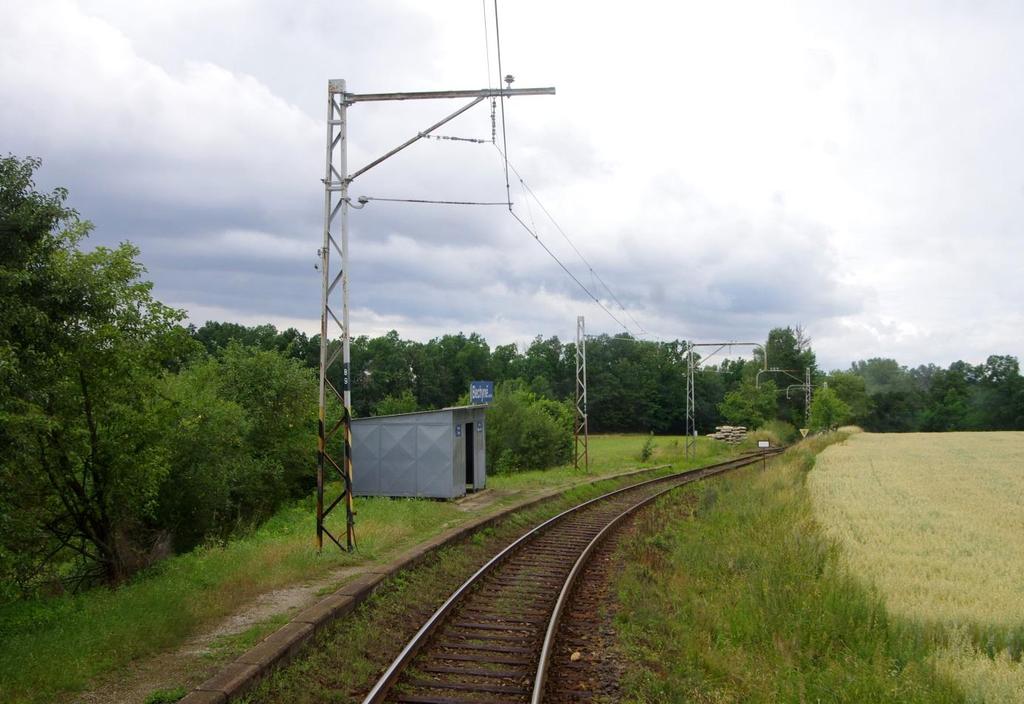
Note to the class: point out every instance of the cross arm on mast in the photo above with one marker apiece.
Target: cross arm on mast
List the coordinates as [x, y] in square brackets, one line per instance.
[441, 94]
[476, 95]
[721, 346]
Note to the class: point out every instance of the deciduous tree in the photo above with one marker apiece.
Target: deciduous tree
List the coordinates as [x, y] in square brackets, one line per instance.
[828, 411]
[83, 345]
[749, 405]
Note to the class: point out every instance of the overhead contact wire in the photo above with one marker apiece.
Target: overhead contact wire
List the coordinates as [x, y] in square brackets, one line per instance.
[586, 262]
[567, 271]
[504, 136]
[589, 266]
[487, 44]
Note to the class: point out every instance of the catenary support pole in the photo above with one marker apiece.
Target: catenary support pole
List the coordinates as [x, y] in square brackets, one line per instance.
[334, 421]
[808, 395]
[335, 407]
[581, 429]
[691, 425]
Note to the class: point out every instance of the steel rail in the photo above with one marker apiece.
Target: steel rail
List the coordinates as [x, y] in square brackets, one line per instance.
[383, 685]
[570, 581]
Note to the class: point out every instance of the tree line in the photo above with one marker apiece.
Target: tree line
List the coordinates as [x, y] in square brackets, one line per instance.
[633, 385]
[126, 435]
[639, 386]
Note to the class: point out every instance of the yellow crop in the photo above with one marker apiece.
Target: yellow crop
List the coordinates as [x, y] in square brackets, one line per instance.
[936, 522]
[985, 679]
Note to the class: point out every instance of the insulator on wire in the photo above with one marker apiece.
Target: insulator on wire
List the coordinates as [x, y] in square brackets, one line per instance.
[494, 123]
[455, 139]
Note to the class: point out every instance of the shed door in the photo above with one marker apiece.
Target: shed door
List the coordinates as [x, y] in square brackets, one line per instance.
[470, 455]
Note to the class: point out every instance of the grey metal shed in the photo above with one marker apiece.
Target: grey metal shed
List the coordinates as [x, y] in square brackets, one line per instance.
[436, 454]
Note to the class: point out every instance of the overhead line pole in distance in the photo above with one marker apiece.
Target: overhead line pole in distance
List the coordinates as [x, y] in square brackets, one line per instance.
[808, 388]
[581, 430]
[333, 457]
[691, 410]
[808, 396]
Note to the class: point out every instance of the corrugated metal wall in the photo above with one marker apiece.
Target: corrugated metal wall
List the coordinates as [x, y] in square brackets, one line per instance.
[418, 454]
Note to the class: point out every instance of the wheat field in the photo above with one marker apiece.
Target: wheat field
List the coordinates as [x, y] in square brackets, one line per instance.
[935, 521]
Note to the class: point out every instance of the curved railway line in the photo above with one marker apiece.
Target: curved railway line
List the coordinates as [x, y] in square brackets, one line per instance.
[492, 640]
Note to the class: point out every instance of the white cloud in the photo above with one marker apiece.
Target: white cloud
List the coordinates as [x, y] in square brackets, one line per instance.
[200, 136]
[725, 167]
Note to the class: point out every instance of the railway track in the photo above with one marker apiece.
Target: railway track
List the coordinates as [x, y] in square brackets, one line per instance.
[492, 640]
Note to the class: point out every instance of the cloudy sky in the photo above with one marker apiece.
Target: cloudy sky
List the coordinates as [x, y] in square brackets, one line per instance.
[725, 167]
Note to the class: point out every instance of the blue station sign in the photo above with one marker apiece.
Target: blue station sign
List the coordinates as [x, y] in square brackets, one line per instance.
[481, 392]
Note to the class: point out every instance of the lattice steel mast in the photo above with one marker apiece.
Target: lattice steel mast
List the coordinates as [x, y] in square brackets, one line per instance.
[336, 204]
[581, 430]
[691, 421]
[334, 457]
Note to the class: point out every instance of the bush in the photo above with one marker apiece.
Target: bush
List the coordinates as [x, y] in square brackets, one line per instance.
[238, 438]
[390, 405]
[749, 405]
[507, 463]
[525, 431]
[648, 449]
[203, 446]
[778, 432]
[828, 411]
[277, 394]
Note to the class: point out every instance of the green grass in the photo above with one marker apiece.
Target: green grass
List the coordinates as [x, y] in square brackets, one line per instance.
[166, 696]
[227, 645]
[744, 599]
[101, 631]
[610, 454]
